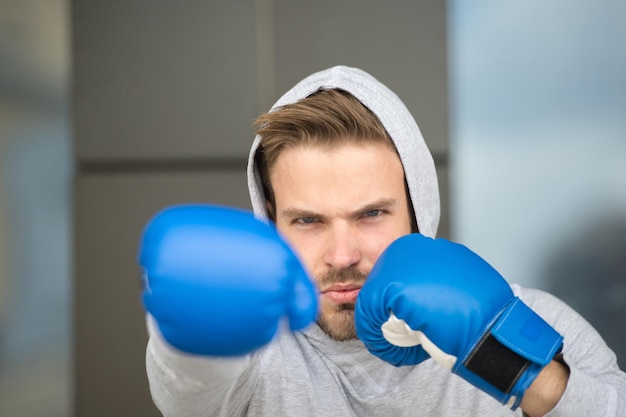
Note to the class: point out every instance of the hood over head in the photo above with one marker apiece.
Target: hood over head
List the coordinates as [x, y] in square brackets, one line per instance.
[419, 168]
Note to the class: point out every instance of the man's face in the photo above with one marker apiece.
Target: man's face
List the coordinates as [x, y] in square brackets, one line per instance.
[339, 209]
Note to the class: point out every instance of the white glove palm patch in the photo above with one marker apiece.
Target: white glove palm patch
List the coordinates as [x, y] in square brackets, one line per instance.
[398, 333]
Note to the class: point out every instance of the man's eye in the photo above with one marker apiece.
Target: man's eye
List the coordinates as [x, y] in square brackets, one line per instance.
[306, 220]
[373, 213]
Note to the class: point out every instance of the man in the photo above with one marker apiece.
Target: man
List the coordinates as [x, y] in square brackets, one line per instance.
[340, 168]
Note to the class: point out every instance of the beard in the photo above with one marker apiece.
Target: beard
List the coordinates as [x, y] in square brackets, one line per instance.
[339, 324]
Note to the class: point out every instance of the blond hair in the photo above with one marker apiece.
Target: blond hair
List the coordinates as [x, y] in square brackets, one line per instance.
[327, 118]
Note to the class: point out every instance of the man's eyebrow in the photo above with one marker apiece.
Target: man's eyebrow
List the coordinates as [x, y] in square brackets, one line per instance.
[296, 213]
[383, 203]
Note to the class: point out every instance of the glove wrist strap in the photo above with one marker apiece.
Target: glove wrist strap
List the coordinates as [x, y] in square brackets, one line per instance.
[511, 354]
[497, 364]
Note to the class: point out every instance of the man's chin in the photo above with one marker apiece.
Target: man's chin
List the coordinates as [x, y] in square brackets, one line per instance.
[340, 325]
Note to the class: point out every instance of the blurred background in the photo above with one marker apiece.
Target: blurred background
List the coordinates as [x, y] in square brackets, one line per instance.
[35, 209]
[111, 110]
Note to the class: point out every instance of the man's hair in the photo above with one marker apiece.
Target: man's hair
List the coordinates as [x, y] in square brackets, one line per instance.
[327, 118]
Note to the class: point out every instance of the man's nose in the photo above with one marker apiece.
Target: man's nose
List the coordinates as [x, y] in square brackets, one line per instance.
[343, 249]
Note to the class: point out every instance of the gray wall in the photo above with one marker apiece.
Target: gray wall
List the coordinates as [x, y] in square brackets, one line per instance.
[163, 99]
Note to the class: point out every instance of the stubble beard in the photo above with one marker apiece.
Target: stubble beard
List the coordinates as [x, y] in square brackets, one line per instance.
[339, 325]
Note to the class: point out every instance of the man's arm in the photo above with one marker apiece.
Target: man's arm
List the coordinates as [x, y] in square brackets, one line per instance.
[432, 298]
[595, 386]
[546, 391]
[189, 385]
[428, 298]
[218, 284]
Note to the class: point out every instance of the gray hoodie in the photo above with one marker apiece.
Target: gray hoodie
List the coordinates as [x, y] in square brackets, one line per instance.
[308, 374]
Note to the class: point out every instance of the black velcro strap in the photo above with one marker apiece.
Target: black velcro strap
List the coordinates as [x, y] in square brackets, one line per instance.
[496, 364]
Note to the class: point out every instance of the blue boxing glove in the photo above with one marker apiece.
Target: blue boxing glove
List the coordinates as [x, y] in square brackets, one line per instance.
[434, 298]
[219, 282]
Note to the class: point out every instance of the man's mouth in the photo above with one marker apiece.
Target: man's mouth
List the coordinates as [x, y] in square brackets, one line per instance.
[342, 293]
